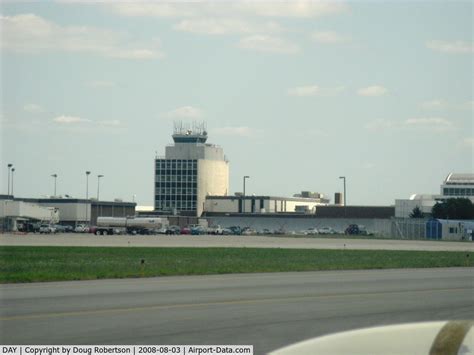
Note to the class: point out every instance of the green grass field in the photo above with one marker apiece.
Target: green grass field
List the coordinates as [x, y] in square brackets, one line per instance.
[29, 264]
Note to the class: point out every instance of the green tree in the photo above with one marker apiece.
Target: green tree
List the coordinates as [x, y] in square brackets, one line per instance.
[416, 213]
[453, 208]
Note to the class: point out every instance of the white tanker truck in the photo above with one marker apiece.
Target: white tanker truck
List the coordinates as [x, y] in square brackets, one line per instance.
[131, 225]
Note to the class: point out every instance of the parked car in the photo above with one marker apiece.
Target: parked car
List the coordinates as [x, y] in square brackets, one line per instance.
[355, 229]
[62, 229]
[311, 231]
[172, 230]
[326, 230]
[226, 231]
[81, 228]
[363, 230]
[248, 231]
[185, 230]
[198, 230]
[215, 230]
[352, 229]
[235, 230]
[47, 229]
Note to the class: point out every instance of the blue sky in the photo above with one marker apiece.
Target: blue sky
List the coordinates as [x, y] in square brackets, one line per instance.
[297, 94]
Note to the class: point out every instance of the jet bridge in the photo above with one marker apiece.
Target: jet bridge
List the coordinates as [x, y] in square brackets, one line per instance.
[12, 211]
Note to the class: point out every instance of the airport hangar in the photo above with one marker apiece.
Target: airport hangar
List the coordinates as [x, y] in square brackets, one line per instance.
[65, 211]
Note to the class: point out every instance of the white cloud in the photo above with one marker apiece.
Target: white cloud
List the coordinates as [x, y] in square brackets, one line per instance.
[436, 124]
[432, 122]
[454, 47]
[445, 105]
[29, 33]
[33, 108]
[288, 9]
[243, 131]
[225, 26]
[434, 105]
[314, 90]
[374, 90]
[157, 9]
[329, 37]
[85, 125]
[70, 119]
[263, 43]
[185, 112]
[298, 9]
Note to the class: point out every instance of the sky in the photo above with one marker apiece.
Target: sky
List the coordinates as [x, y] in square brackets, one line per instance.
[297, 94]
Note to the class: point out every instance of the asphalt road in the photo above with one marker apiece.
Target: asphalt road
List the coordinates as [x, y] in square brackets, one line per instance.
[231, 242]
[265, 310]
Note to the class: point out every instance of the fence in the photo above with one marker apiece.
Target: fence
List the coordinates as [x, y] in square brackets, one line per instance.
[378, 226]
[411, 228]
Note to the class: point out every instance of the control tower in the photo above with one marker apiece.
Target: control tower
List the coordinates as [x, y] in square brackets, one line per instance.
[190, 170]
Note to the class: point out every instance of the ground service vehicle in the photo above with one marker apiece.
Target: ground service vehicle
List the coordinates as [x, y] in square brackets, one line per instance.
[132, 225]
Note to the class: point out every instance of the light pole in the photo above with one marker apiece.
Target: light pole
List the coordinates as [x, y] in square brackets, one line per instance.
[13, 170]
[9, 167]
[344, 178]
[243, 198]
[98, 185]
[55, 177]
[87, 195]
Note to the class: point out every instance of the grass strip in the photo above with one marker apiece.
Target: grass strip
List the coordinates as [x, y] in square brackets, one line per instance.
[31, 264]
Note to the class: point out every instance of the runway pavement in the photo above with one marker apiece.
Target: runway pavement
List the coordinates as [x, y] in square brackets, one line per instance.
[230, 241]
[264, 310]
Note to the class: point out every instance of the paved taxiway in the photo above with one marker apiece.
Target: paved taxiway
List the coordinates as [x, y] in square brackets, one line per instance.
[266, 310]
[230, 241]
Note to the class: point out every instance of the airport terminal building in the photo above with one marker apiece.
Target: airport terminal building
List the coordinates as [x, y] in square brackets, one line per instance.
[455, 185]
[65, 211]
[261, 204]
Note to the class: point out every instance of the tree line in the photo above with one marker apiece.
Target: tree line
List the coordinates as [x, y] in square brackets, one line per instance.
[452, 208]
